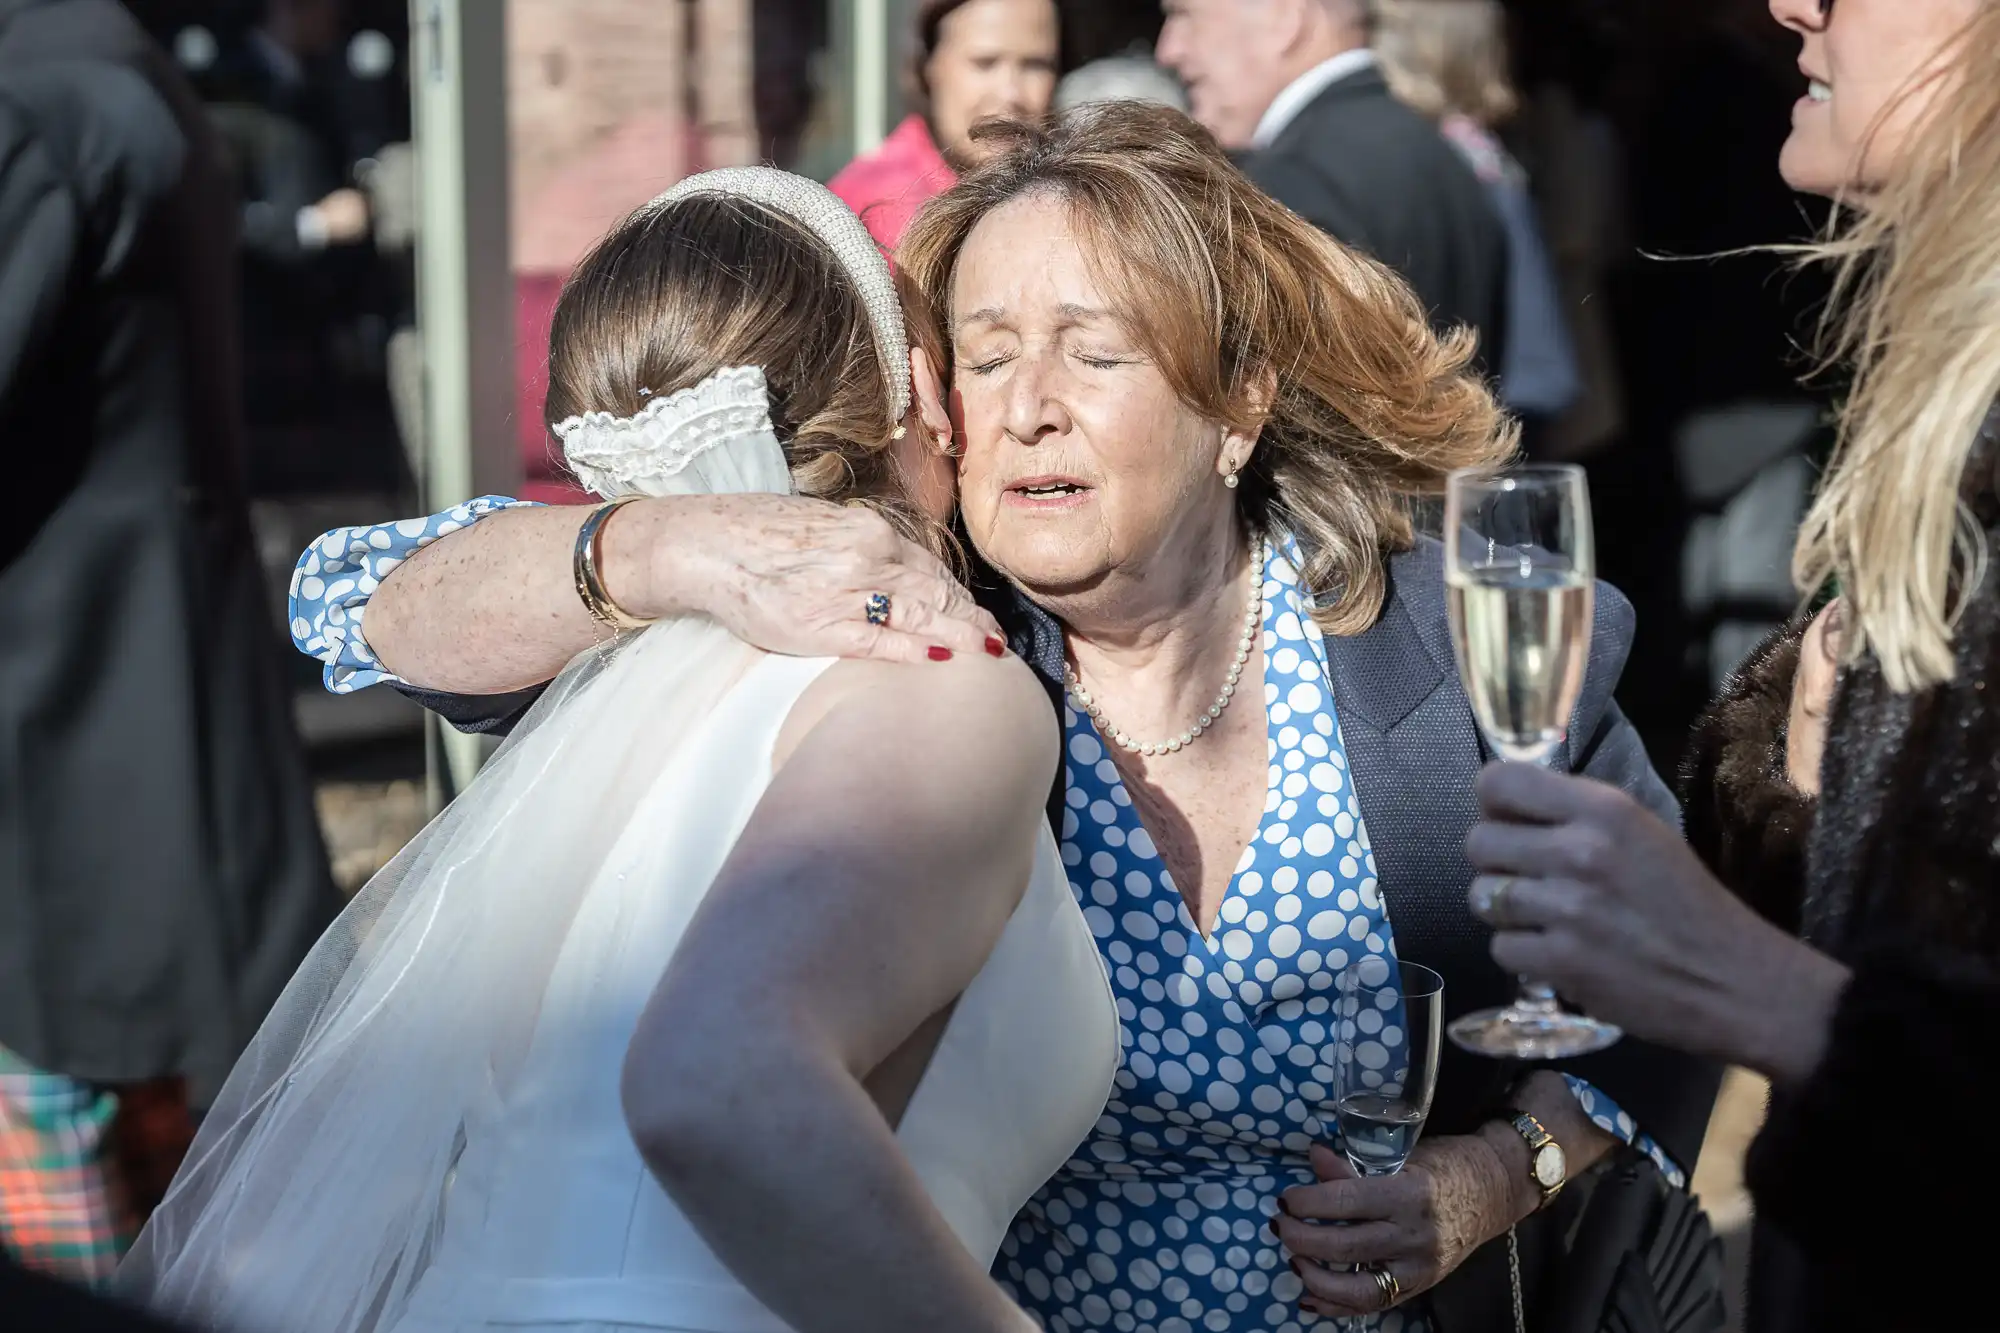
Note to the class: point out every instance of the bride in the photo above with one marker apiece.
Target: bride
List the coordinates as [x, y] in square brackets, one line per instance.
[739, 993]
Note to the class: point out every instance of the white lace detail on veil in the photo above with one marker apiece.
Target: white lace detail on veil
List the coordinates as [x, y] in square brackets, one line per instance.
[667, 447]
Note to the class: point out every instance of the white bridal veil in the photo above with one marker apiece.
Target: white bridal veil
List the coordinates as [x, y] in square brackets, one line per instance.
[319, 1180]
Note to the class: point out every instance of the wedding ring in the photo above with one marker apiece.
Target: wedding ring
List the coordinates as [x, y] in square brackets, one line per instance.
[877, 609]
[1385, 1282]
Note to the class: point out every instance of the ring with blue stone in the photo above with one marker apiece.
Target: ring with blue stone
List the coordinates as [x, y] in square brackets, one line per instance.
[878, 609]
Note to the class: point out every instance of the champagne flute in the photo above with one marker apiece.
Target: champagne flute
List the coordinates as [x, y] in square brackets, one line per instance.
[1388, 1019]
[1519, 569]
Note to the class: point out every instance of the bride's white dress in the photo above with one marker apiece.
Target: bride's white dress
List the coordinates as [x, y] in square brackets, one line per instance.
[426, 1135]
[552, 1218]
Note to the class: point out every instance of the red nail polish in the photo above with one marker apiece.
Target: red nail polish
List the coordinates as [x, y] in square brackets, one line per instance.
[940, 654]
[995, 647]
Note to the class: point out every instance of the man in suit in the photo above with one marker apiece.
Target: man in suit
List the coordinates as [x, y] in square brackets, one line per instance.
[1292, 87]
[161, 871]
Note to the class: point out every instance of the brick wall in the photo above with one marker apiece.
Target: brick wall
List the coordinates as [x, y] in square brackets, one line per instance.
[610, 102]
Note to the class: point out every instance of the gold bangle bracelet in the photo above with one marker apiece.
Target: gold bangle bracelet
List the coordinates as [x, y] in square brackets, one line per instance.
[589, 581]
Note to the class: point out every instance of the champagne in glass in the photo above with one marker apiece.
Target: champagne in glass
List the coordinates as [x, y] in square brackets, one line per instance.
[1523, 639]
[1388, 1020]
[1519, 571]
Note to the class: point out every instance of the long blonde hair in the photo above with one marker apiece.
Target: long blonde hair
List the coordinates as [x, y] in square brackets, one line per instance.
[1916, 313]
[1255, 317]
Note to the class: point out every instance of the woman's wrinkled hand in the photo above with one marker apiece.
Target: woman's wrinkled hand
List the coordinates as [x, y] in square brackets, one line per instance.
[1812, 697]
[1592, 894]
[1418, 1224]
[794, 576]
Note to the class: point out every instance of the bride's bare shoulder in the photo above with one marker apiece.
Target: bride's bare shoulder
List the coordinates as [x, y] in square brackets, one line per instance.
[974, 702]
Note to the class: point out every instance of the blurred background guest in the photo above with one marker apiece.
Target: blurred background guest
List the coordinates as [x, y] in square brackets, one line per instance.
[291, 63]
[1293, 86]
[971, 60]
[164, 873]
[304, 113]
[1129, 76]
[1447, 59]
[1845, 786]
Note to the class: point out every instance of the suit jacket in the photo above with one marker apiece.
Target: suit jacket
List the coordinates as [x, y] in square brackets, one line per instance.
[161, 871]
[1414, 752]
[1375, 175]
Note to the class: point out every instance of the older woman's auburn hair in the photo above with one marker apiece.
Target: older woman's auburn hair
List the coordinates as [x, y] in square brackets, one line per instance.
[1255, 317]
[1916, 312]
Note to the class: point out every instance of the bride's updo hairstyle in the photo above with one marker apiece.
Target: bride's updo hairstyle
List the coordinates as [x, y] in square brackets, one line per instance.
[1257, 319]
[688, 287]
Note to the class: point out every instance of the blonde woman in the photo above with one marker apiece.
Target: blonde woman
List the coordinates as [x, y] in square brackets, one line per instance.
[1848, 783]
[1447, 59]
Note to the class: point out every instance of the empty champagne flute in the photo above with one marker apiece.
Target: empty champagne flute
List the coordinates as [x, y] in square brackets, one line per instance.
[1387, 1029]
[1520, 566]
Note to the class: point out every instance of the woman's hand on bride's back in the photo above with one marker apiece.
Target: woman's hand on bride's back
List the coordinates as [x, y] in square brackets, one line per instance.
[795, 576]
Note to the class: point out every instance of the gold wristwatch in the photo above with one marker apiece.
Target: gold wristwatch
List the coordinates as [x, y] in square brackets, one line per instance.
[1547, 1166]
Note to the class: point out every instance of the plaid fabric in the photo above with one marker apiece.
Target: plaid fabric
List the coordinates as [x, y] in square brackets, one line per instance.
[62, 1208]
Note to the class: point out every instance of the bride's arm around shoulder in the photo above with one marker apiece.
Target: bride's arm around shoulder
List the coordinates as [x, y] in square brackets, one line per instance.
[866, 892]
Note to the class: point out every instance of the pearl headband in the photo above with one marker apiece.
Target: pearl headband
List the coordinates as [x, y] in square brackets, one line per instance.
[821, 212]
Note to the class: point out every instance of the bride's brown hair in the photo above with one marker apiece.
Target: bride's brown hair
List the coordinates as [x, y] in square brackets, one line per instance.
[680, 291]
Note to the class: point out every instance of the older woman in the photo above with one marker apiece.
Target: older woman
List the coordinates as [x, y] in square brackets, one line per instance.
[1189, 426]
[1847, 783]
[971, 60]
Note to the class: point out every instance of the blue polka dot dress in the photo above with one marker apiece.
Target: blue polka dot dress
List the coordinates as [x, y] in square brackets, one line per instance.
[1158, 1223]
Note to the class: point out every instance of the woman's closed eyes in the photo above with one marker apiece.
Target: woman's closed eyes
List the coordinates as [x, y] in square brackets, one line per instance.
[1095, 360]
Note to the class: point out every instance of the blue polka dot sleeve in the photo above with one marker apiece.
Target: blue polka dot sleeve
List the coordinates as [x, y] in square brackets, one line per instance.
[339, 573]
[1607, 1116]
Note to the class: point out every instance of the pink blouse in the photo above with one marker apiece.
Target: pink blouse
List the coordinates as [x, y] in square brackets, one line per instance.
[887, 186]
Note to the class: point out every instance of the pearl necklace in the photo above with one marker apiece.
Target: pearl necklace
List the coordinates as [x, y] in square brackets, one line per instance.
[1253, 623]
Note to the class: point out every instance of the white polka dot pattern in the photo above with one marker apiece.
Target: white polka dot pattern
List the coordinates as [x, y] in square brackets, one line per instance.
[341, 570]
[1157, 1225]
